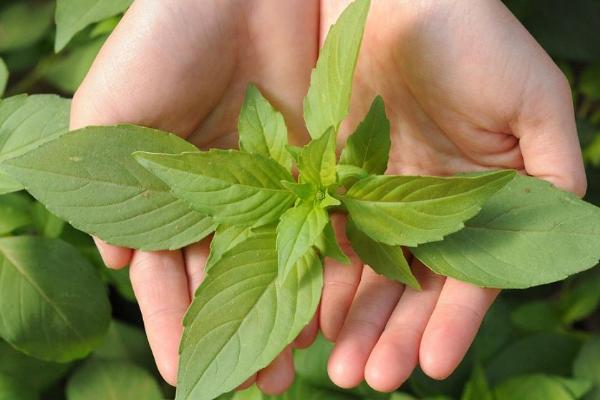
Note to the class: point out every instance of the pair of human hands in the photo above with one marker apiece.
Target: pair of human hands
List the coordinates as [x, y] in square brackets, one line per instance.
[466, 88]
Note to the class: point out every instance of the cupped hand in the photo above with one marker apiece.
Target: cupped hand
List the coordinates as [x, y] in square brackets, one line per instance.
[183, 66]
[466, 88]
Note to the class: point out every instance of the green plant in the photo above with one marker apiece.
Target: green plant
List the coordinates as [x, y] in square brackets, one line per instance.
[519, 354]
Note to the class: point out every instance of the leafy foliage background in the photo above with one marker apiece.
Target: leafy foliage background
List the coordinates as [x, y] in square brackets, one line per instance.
[539, 343]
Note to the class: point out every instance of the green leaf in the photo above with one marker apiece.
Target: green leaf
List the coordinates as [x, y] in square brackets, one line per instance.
[262, 129]
[386, 260]
[233, 187]
[125, 342]
[580, 297]
[477, 388]
[328, 98]
[326, 200]
[311, 368]
[410, 210]
[401, 396]
[67, 72]
[348, 175]
[317, 161]
[294, 152]
[311, 363]
[450, 388]
[10, 390]
[591, 153]
[547, 353]
[536, 387]
[26, 122]
[15, 212]
[73, 16]
[105, 26]
[53, 305]
[590, 81]
[89, 178]
[587, 366]
[495, 332]
[24, 23]
[303, 191]
[8, 184]
[536, 316]
[46, 223]
[112, 380]
[243, 316]
[329, 247]
[528, 234]
[369, 146]
[302, 390]
[29, 372]
[3, 76]
[297, 232]
[577, 387]
[225, 239]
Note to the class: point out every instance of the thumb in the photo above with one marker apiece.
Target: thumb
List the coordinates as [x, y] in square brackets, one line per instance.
[548, 138]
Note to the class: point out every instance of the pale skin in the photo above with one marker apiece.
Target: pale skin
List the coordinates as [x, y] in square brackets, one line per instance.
[466, 88]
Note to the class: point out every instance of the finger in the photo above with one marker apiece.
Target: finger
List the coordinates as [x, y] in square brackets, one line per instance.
[195, 257]
[279, 376]
[308, 334]
[249, 382]
[396, 353]
[548, 136]
[340, 284]
[452, 327]
[375, 300]
[114, 257]
[160, 284]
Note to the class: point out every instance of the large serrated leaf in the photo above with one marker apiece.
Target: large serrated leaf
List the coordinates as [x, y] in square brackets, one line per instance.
[243, 316]
[409, 210]
[233, 187]
[297, 232]
[369, 146]
[53, 305]
[74, 15]
[262, 129]
[89, 178]
[328, 98]
[386, 260]
[528, 234]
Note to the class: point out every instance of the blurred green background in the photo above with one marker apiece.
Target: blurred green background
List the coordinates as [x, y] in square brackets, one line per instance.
[542, 343]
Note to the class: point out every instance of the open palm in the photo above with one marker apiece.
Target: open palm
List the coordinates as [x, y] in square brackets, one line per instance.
[466, 88]
[184, 67]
